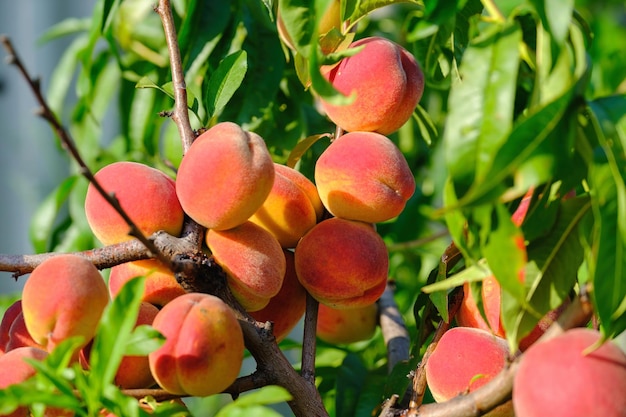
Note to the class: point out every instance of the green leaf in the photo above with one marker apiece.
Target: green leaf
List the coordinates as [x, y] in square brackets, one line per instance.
[112, 335]
[607, 178]
[43, 220]
[350, 381]
[251, 403]
[226, 79]
[144, 339]
[304, 145]
[481, 106]
[473, 273]
[555, 15]
[354, 10]
[298, 17]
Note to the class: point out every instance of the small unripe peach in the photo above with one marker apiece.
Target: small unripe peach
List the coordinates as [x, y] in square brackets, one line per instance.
[288, 212]
[63, 297]
[464, 359]
[287, 307]
[203, 350]
[225, 176]
[253, 261]
[146, 194]
[343, 263]
[160, 285]
[571, 376]
[364, 176]
[342, 326]
[387, 81]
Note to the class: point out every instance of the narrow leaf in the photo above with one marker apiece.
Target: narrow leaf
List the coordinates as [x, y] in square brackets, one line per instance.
[225, 81]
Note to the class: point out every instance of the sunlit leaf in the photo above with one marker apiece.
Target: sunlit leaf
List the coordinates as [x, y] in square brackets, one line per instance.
[225, 81]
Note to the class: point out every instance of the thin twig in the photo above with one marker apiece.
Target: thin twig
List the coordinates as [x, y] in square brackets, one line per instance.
[68, 143]
[309, 339]
[180, 116]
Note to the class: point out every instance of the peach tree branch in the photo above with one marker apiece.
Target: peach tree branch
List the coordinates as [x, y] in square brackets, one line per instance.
[69, 145]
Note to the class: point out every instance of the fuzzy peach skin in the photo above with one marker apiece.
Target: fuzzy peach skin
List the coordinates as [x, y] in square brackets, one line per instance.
[16, 370]
[253, 260]
[387, 81]
[469, 314]
[568, 377]
[288, 212]
[343, 326]
[305, 184]
[287, 307]
[8, 318]
[146, 194]
[204, 346]
[63, 297]
[160, 286]
[342, 263]
[364, 176]
[464, 359]
[225, 176]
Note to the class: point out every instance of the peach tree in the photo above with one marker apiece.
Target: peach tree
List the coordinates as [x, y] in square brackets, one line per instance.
[328, 207]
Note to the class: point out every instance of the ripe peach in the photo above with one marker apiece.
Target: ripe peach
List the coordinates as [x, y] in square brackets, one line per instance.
[388, 83]
[464, 359]
[342, 326]
[287, 307]
[342, 263]
[305, 184]
[364, 176]
[469, 314]
[204, 346]
[160, 286]
[8, 318]
[16, 370]
[253, 261]
[288, 212]
[146, 194]
[64, 296]
[225, 176]
[19, 336]
[560, 377]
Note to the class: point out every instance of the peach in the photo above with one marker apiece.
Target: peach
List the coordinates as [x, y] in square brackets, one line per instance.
[469, 314]
[160, 286]
[364, 176]
[204, 347]
[387, 81]
[253, 261]
[19, 336]
[342, 263]
[288, 212]
[571, 376]
[287, 307]
[8, 318]
[464, 359]
[225, 176]
[63, 297]
[343, 326]
[16, 370]
[146, 194]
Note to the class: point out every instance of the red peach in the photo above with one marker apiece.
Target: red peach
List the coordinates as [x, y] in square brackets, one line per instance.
[387, 81]
[364, 176]
[203, 351]
[342, 326]
[253, 261]
[225, 176]
[160, 286]
[287, 307]
[19, 336]
[571, 376]
[7, 320]
[463, 360]
[342, 263]
[16, 370]
[146, 194]
[63, 297]
[287, 212]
